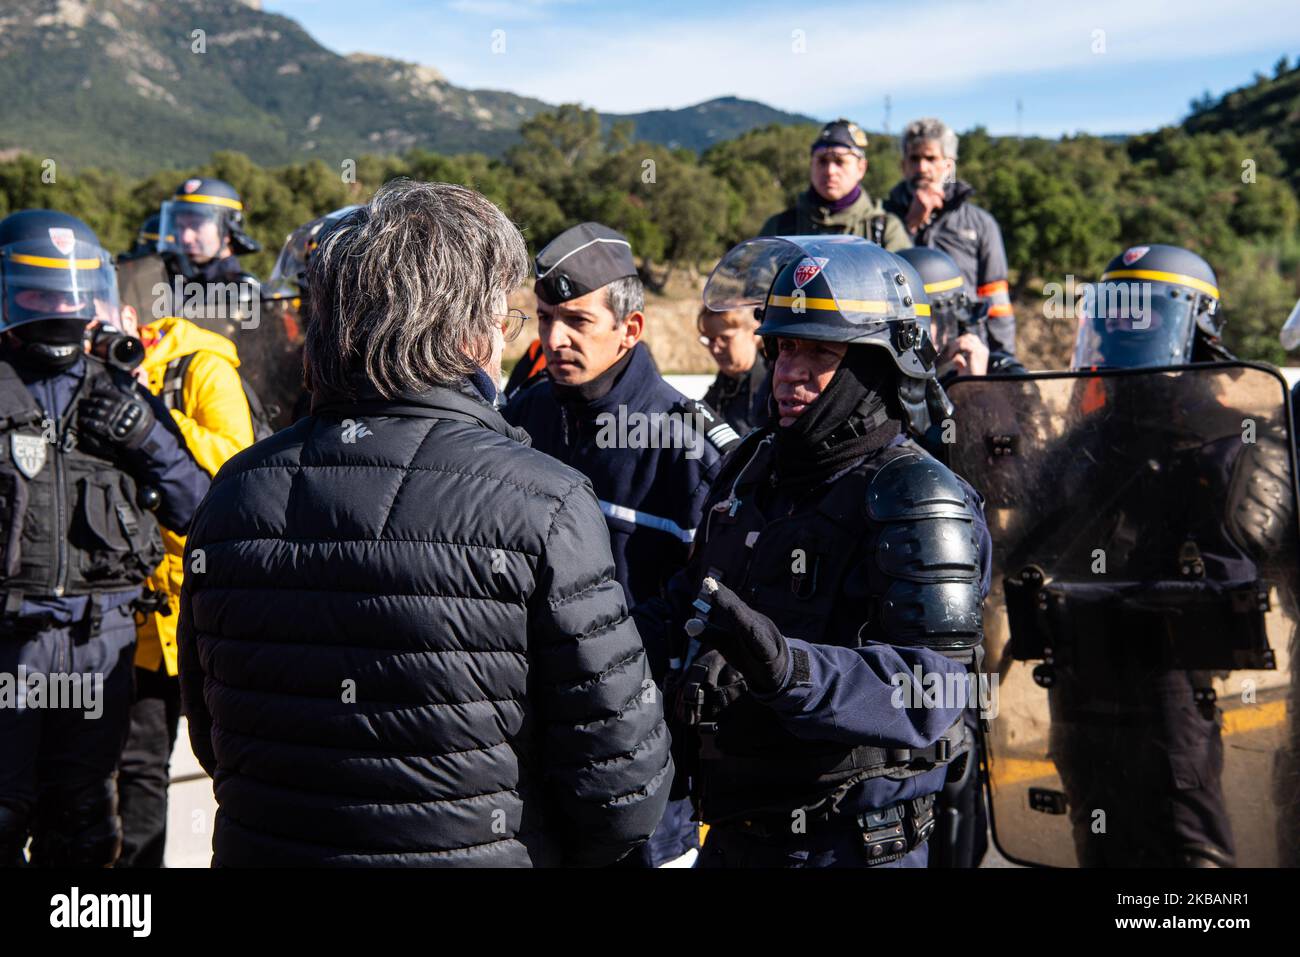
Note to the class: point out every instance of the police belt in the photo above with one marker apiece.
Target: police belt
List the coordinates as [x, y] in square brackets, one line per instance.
[887, 835]
[861, 763]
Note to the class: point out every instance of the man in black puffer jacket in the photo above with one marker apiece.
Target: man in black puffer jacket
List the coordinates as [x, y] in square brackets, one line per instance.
[401, 638]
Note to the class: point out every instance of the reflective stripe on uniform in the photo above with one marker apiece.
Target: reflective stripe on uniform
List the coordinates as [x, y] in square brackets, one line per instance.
[647, 520]
[999, 296]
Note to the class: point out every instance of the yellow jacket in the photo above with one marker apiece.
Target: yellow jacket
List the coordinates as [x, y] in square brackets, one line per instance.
[216, 423]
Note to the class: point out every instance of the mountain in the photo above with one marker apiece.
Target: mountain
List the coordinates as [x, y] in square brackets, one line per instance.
[1271, 104]
[700, 126]
[132, 84]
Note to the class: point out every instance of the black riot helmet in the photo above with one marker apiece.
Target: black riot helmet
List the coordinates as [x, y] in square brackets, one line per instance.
[1152, 306]
[199, 219]
[146, 239]
[55, 279]
[289, 277]
[952, 306]
[838, 289]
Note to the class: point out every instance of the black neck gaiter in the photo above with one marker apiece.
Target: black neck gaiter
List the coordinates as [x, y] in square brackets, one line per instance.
[855, 415]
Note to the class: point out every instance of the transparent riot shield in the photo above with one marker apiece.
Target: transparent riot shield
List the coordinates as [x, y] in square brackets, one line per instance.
[270, 358]
[143, 283]
[1142, 618]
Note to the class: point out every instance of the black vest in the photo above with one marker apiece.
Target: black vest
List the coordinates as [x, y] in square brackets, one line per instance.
[887, 552]
[70, 523]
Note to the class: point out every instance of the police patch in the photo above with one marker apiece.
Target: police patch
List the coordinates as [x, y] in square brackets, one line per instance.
[28, 453]
[63, 239]
[1133, 255]
[806, 270]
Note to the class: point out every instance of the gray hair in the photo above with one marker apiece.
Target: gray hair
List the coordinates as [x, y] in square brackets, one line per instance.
[624, 297]
[931, 129]
[402, 291]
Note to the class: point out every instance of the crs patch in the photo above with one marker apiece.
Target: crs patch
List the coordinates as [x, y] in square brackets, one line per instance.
[64, 239]
[28, 453]
[1133, 255]
[807, 270]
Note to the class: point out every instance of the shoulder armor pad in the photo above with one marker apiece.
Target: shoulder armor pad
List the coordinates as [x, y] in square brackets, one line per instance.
[1260, 506]
[929, 554]
[717, 431]
[915, 485]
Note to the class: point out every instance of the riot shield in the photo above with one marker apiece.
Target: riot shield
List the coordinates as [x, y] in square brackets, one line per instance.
[1142, 619]
[143, 283]
[270, 358]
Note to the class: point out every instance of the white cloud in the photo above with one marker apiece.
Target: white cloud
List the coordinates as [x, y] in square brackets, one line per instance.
[855, 53]
[505, 9]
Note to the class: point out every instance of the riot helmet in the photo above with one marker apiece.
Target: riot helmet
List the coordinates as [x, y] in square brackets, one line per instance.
[198, 222]
[289, 277]
[837, 289]
[56, 278]
[1150, 308]
[1290, 334]
[952, 307]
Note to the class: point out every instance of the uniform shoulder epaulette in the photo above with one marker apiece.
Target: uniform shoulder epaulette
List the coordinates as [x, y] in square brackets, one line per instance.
[717, 430]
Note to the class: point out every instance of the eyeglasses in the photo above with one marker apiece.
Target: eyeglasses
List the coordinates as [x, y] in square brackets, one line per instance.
[514, 323]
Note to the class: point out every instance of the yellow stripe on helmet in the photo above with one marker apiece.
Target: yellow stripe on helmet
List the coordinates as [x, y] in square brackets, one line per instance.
[1157, 276]
[945, 285]
[874, 307]
[50, 262]
[209, 200]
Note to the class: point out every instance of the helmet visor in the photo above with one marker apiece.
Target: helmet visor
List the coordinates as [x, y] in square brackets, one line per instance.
[287, 278]
[199, 230]
[864, 280]
[81, 285]
[1125, 325]
[1290, 334]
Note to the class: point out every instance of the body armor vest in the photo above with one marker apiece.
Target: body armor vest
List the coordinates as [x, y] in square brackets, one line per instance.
[70, 523]
[886, 552]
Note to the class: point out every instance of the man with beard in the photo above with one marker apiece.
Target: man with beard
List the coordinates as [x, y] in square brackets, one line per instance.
[936, 209]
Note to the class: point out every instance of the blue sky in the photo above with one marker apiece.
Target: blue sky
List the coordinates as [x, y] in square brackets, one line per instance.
[1118, 66]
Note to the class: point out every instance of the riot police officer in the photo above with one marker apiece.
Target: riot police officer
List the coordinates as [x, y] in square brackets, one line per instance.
[275, 369]
[89, 467]
[146, 239]
[201, 236]
[1155, 306]
[958, 319]
[1146, 531]
[837, 564]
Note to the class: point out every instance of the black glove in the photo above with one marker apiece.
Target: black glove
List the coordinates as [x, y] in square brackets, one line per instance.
[112, 417]
[749, 640]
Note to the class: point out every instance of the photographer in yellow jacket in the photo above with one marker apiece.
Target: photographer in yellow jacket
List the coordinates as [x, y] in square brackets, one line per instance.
[196, 374]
